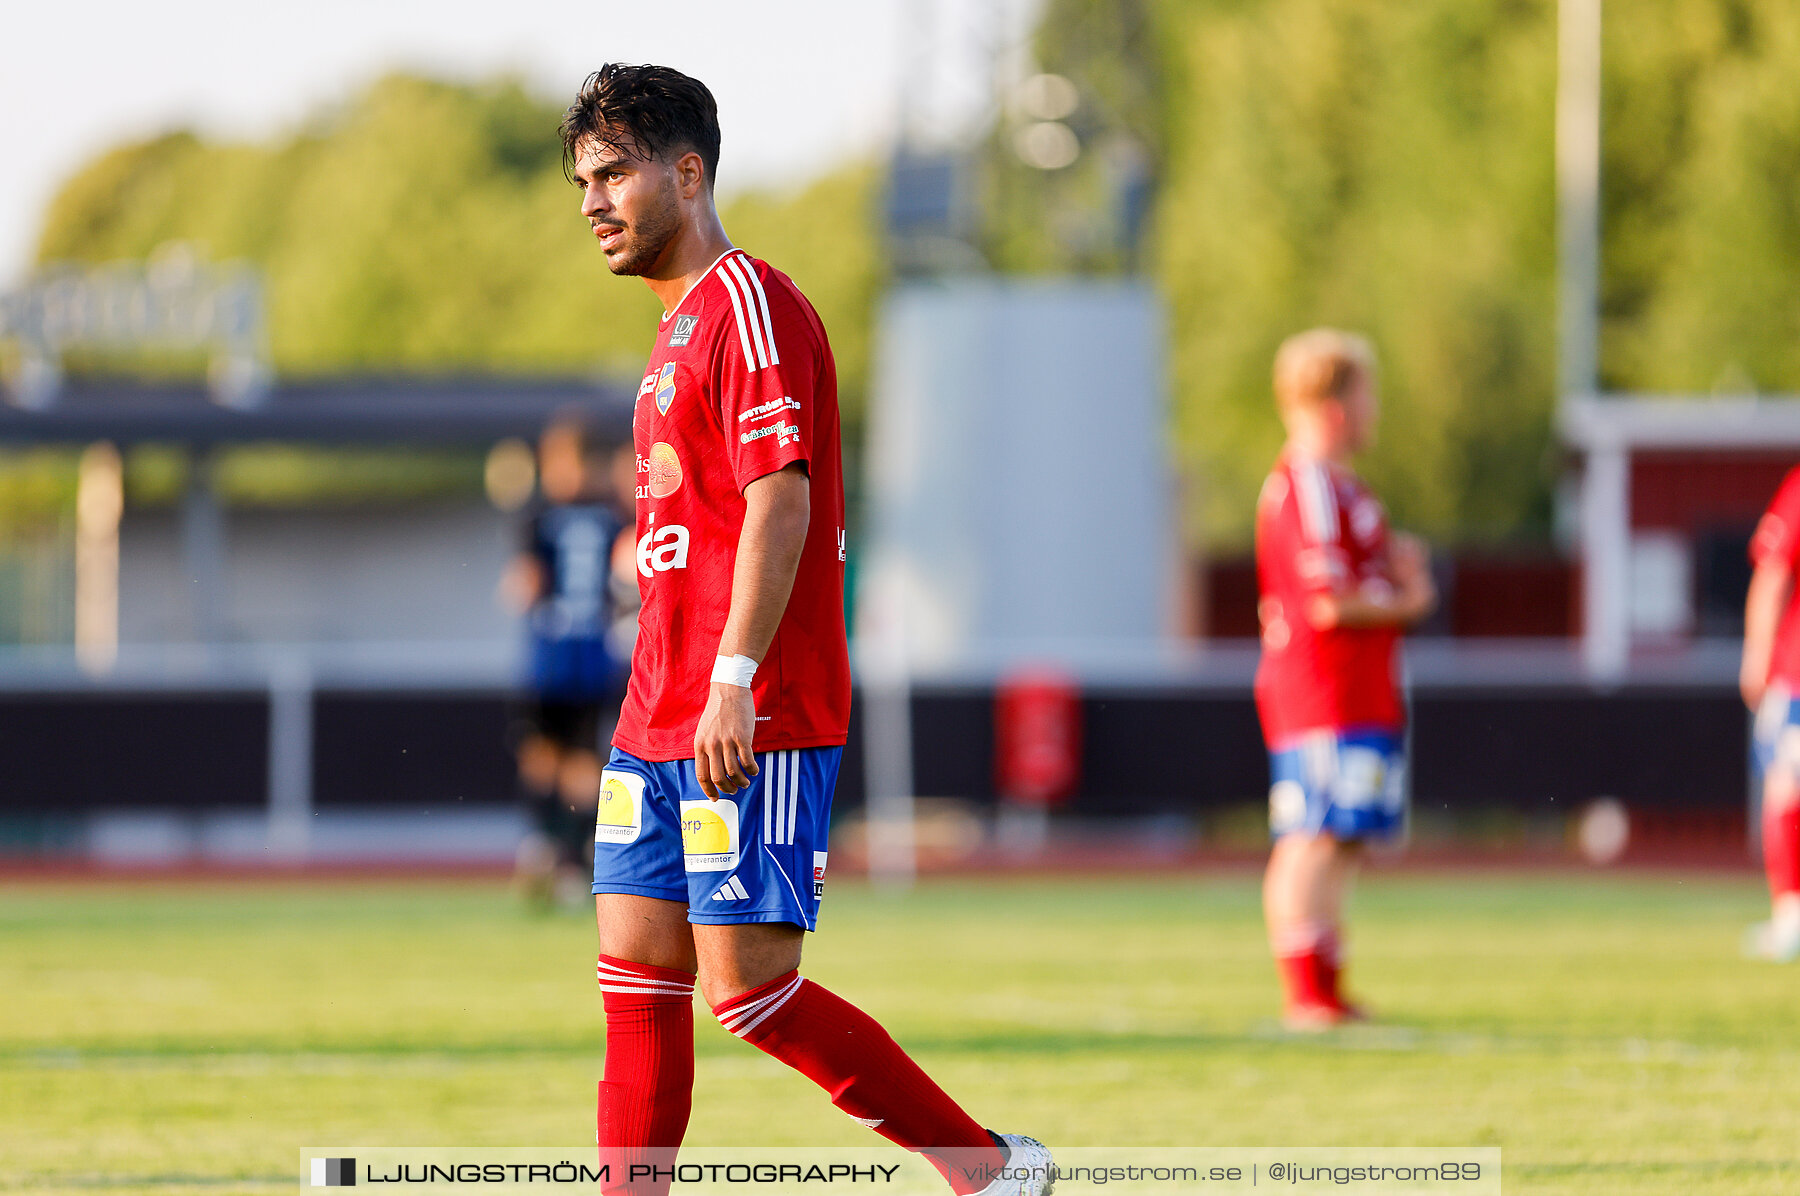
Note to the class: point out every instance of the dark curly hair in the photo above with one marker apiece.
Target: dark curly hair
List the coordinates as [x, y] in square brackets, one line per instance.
[658, 108]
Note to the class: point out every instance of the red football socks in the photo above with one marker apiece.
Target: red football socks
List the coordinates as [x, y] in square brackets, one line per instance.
[1330, 965]
[1300, 978]
[846, 1052]
[648, 1089]
[1781, 849]
[1308, 959]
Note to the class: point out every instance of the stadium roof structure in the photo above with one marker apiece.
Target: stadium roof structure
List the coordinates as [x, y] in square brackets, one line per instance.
[395, 409]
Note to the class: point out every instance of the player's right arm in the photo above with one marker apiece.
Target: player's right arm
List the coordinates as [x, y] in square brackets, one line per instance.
[1773, 550]
[766, 394]
[1309, 531]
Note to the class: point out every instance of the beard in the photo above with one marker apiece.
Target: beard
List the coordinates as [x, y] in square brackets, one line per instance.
[648, 236]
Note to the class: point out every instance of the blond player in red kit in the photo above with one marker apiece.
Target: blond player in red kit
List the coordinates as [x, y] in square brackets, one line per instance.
[710, 840]
[1336, 591]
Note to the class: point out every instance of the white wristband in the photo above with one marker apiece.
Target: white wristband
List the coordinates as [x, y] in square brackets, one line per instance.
[734, 670]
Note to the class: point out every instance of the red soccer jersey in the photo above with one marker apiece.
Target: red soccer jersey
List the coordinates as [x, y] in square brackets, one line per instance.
[1320, 531]
[1777, 538]
[741, 384]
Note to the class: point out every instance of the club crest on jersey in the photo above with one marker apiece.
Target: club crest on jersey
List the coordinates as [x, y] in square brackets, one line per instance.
[665, 387]
[684, 331]
[709, 835]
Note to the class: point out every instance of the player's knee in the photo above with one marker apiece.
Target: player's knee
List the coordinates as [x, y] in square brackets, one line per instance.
[721, 990]
[736, 959]
[1313, 850]
[722, 982]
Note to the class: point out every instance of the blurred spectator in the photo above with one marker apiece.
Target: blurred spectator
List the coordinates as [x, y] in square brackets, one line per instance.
[562, 583]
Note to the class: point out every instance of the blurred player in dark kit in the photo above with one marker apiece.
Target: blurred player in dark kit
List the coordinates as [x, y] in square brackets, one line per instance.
[710, 844]
[561, 582]
[1336, 591]
[1770, 680]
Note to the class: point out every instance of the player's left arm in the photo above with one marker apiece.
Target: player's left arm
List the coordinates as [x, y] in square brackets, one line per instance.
[1409, 596]
[1770, 588]
[1409, 567]
[768, 367]
[777, 510]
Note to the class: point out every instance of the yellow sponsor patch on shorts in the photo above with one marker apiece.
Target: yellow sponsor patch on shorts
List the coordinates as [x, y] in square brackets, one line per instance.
[709, 835]
[620, 815]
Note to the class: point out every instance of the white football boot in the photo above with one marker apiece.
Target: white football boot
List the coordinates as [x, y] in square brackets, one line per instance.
[1776, 941]
[1030, 1171]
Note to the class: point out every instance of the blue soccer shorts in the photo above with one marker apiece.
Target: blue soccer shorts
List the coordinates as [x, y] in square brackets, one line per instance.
[757, 855]
[1348, 784]
[1775, 737]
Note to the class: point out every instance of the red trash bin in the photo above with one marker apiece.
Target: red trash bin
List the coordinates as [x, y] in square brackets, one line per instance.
[1037, 737]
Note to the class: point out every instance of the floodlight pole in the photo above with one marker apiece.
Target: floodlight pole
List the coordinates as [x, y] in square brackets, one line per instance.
[892, 842]
[1578, 196]
[1606, 479]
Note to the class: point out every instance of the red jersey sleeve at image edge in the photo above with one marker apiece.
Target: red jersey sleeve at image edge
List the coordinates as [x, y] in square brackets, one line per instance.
[1777, 535]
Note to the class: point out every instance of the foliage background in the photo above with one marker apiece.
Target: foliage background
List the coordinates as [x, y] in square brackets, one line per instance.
[1386, 167]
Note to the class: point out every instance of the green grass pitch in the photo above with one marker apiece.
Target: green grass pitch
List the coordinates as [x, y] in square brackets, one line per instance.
[1600, 1029]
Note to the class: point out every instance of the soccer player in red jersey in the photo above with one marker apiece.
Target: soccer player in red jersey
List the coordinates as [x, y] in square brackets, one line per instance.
[1337, 589]
[1768, 679]
[710, 839]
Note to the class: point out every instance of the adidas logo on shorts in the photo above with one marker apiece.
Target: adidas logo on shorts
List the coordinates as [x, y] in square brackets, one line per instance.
[731, 890]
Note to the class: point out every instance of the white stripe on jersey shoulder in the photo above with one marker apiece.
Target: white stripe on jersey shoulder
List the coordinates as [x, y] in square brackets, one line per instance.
[734, 276]
[737, 307]
[750, 303]
[1318, 505]
[747, 273]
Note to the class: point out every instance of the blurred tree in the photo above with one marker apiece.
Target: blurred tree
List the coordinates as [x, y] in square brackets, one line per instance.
[1388, 167]
[1380, 166]
[1702, 195]
[1083, 208]
[427, 226]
